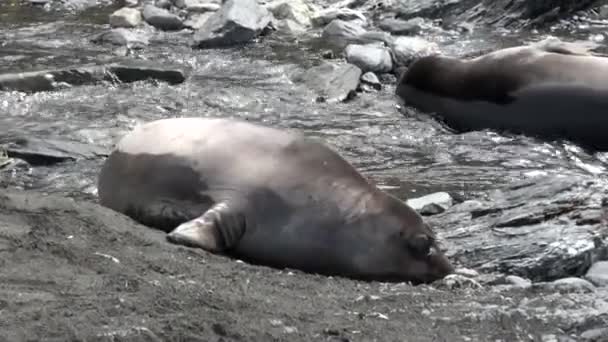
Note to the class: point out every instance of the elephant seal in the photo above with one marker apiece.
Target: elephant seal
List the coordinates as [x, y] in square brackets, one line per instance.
[266, 196]
[549, 89]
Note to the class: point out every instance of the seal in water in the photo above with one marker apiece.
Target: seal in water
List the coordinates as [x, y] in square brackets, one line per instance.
[269, 197]
[550, 89]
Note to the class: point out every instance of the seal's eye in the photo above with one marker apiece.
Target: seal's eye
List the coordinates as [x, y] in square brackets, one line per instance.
[420, 245]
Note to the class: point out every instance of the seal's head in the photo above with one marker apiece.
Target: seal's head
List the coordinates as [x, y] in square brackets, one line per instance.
[403, 247]
[485, 79]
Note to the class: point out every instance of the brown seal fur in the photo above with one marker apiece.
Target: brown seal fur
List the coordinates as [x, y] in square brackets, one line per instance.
[267, 196]
[548, 89]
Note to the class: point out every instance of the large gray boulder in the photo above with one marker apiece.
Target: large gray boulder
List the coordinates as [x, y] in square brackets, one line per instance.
[237, 22]
[543, 228]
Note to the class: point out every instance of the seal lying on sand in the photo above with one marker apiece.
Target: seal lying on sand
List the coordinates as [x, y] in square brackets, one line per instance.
[550, 89]
[266, 196]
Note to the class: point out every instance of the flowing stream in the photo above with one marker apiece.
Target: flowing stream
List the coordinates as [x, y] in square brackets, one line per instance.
[408, 153]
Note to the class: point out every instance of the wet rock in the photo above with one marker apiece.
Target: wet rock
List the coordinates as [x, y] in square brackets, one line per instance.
[39, 2]
[164, 4]
[197, 20]
[598, 334]
[137, 70]
[570, 284]
[531, 228]
[125, 17]
[237, 22]
[331, 82]
[402, 27]
[431, 204]
[49, 151]
[406, 9]
[198, 6]
[48, 80]
[369, 57]
[298, 11]
[369, 81]
[123, 37]
[499, 13]
[458, 281]
[598, 273]
[518, 281]
[339, 34]
[162, 19]
[406, 49]
[325, 16]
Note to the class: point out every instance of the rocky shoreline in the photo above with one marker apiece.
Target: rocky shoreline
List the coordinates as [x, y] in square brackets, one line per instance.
[532, 255]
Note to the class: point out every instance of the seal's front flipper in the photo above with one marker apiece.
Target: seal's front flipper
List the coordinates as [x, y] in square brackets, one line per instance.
[216, 231]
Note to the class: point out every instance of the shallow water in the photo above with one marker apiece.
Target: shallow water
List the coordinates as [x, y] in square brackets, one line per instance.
[406, 152]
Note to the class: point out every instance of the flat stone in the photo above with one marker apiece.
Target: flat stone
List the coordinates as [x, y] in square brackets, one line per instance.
[50, 151]
[48, 80]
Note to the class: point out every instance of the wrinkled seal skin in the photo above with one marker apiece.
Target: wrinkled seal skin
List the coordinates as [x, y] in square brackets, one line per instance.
[266, 196]
[550, 89]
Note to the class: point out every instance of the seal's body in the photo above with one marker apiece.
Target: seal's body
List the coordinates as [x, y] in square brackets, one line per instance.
[548, 89]
[266, 196]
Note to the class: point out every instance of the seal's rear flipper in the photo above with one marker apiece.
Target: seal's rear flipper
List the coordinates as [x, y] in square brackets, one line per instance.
[216, 231]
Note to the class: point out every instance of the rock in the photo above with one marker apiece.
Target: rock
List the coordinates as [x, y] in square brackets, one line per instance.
[197, 20]
[122, 36]
[426, 8]
[49, 151]
[197, 6]
[164, 4]
[434, 203]
[339, 34]
[597, 334]
[369, 57]
[290, 27]
[162, 19]
[237, 22]
[598, 273]
[39, 2]
[48, 80]
[332, 82]
[324, 17]
[399, 26]
[542, 228]
[467, 272]
[458, 281]
[518, 281]
[570, 284]
[407, 49]
[125, 17]
[298, 11]
[370, 81]
[138, 70]
[131, 3]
